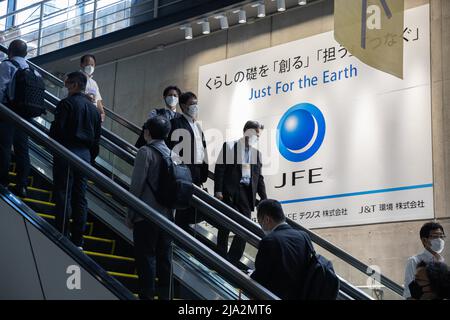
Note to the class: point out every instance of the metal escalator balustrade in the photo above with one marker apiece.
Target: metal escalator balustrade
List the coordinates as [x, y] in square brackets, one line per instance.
[214, 261]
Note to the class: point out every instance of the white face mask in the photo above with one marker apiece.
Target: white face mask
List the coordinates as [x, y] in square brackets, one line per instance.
[252, 140]
[171, 101]
[437, 245]
[89, 70]
[192, 111]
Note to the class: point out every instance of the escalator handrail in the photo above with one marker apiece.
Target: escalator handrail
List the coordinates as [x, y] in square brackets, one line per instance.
[68, 247]
[214, 260]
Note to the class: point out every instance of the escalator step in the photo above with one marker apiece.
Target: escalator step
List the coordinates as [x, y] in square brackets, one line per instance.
[13, 176]
[101, 245]
[51, 219]
[38, 194]
[40, 206]
[114, 263]
[128, 280]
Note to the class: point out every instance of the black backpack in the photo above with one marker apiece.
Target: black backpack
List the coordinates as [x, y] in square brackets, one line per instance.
[175, 183]
[28, 100]
[321, 282]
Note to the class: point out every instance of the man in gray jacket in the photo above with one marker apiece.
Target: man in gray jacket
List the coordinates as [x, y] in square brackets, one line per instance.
[152, 245]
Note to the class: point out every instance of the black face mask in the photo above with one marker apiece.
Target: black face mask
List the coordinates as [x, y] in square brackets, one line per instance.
[416, 290]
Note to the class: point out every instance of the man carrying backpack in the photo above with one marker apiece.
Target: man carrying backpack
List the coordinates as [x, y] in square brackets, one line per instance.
[286, 263]
[22, 90]
[152, 245]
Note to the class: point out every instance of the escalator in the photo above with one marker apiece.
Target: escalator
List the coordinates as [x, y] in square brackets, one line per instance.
[198, 273]
[109, 242]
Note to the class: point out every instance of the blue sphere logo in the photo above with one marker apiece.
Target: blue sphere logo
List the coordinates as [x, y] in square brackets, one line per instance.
[300, 132]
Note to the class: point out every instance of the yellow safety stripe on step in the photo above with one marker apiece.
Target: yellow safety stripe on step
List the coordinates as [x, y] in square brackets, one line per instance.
[33, 189]
[29, 177]
[43, 215]
[109, 256]
[45, 203]
[123, 275]
[98, 239]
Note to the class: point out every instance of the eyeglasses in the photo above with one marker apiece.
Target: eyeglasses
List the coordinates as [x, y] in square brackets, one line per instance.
[437, 236]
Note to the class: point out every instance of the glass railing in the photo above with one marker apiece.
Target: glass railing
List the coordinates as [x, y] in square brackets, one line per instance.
[50, 25]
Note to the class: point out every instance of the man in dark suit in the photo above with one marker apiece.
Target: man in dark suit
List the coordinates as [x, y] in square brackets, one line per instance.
[237, 180]
[283, 254]
[187, 140]
[77, 126]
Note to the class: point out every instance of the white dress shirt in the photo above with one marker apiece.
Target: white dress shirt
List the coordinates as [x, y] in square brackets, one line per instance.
[92, 89]
[411, 266]
[198, 145]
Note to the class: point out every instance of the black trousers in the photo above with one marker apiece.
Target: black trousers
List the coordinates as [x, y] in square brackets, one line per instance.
[152, 249]
[70, 197]
[12, 136]
[237, 248]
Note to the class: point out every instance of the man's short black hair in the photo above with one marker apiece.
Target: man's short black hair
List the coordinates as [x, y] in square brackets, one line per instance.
[251, 124]
[166, 90]
[159, 127]
[18, 48]
[79, 78]
[184, 98]
[83, 58]
[271, 208]
[426, 229]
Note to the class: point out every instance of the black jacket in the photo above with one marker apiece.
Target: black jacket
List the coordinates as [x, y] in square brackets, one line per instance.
[281, 262]
[77, 124]
[228, 174]
[198, 176]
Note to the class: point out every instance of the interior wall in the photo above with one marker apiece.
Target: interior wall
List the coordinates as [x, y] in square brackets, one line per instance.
[133, 87]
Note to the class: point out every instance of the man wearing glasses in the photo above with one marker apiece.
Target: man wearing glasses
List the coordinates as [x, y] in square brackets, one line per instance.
[432, 236]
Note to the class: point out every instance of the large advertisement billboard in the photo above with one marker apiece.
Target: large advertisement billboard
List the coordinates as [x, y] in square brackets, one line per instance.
[344, 144]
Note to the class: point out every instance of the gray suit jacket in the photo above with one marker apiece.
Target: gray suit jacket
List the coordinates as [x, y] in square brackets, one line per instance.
[147, 172]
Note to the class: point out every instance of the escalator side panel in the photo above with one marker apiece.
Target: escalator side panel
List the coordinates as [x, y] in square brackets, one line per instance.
[57, 273]
[19, 278]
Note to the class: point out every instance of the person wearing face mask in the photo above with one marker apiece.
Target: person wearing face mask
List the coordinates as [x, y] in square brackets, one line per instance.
[87, 64]
[151, 244]
[431, 282]
[281, 263]
[171, 95]
[77, 126]
[187, 140]
[237, 181]
[432, 236]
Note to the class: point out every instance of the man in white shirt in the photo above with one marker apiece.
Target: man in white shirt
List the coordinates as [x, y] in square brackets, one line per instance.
[87, 64]
[432, 236]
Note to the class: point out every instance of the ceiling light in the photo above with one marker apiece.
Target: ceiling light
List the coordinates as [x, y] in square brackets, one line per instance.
[205, 26]
[242, 16]
[223, 21]
[281, 5]
[261, 10]
[302, 2]
[187, 32]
